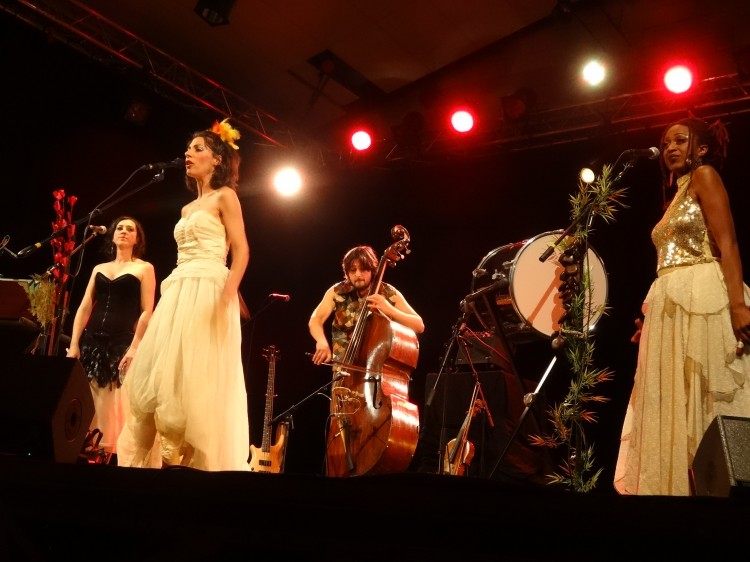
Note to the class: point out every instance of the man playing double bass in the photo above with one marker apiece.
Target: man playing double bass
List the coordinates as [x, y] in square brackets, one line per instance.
[345, 299]
[373, 426]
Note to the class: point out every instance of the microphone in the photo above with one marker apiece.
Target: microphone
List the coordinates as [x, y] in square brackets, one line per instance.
[650, 153]
[101, 230]
[176, 163]
[34, 247]
[488, 289]
[29, 249]
[279, 297]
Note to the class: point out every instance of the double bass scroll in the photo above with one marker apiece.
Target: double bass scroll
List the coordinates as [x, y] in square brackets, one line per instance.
[373, 426]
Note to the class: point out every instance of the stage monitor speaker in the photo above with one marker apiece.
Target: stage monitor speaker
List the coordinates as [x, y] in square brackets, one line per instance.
[45, 407]
[722, 462]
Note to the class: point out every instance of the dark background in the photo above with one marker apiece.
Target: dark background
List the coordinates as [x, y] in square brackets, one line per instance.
[65, 128]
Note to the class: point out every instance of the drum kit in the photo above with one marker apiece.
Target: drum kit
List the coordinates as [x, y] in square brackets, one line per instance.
[516, 299]
[519, 293]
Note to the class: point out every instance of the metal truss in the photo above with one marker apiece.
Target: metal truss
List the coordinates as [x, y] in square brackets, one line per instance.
[713, 98]
[88, 32]
[93, 35]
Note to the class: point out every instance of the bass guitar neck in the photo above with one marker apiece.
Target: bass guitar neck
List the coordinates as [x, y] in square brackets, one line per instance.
[270, 456]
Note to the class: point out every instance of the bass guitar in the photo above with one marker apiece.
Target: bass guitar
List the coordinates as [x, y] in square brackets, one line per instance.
[270, 457]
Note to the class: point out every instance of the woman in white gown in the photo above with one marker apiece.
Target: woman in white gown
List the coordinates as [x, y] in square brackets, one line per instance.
[186, 385]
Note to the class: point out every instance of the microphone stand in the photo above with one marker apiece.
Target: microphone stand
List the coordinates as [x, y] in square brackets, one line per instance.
[248, 348]
[449, 354]
[586, 211]
[528, 401]
[28, 250]
[4, 247]
[288, 415]
[58, 320]
[50, 339]
[293, 408]
[629, 164]
[159, 176]
[51, 342]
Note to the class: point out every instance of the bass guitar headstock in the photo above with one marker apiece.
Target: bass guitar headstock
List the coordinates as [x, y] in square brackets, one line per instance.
[271, 353]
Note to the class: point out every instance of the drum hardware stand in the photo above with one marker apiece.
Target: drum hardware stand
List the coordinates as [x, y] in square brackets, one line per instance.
[468, 310]
[497, 328]
[459, 339]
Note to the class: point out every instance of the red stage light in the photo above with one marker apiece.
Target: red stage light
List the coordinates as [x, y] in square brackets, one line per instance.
[361, 140]
[678, 79]
[462, 121]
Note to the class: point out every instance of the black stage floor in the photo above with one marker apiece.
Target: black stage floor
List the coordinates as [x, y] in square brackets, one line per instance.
[59, 511]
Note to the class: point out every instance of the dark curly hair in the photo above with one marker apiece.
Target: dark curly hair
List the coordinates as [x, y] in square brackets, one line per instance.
[139, 249]
[365, 255]
[227, 171]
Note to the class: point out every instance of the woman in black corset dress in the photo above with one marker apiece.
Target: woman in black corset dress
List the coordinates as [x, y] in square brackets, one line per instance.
[110, 322]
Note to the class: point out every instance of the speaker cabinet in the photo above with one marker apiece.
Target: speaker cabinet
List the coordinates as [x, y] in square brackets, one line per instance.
[722, 462]
[45, 407]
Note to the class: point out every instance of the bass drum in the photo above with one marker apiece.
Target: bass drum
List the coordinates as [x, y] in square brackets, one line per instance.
[527, 303]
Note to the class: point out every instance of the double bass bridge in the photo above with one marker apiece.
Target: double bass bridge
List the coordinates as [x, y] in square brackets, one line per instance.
[345, 401]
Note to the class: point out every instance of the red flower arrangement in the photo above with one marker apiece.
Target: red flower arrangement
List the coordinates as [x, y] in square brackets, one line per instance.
[46, 291]
[64, 243]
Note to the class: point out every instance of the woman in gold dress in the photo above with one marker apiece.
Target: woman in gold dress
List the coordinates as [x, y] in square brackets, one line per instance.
[693, 361]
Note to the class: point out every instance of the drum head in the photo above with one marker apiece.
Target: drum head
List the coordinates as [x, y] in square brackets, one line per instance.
[530, 307]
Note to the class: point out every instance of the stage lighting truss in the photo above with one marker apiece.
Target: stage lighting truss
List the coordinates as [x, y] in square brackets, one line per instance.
[102, 40]
[534, 127]
[711, 98]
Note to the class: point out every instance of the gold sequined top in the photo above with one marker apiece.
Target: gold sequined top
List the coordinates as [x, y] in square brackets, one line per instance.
[681, 237]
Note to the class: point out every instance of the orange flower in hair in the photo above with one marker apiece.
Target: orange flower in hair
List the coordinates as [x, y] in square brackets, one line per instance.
[227, 133]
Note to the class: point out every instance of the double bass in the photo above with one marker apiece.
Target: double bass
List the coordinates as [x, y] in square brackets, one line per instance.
[373, 427]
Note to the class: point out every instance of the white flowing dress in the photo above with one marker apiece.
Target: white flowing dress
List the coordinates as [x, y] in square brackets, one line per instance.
[688, 372]
[187, 381]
